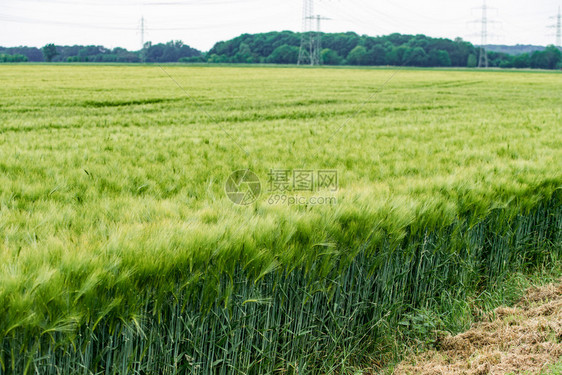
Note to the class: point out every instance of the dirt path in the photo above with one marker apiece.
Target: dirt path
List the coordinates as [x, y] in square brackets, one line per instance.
[526, 338]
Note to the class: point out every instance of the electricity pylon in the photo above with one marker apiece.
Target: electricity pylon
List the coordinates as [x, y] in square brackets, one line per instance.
[558, 27]
[306, 50]
[316, 41]
[483, 60]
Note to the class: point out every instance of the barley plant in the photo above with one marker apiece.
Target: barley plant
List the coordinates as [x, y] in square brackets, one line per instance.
[122, 254]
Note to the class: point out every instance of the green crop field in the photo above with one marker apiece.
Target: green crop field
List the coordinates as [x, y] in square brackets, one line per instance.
[123, 253]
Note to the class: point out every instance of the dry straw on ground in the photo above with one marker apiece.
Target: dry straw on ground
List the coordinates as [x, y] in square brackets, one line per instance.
[526, 338]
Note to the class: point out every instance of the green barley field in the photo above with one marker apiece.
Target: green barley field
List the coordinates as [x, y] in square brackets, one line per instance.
[122, 252]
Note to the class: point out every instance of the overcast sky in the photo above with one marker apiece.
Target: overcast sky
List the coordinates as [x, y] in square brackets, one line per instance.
[201, 23]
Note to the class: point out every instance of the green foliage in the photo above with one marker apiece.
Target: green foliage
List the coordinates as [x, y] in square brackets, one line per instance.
[415, 57]
[439, 58]
[284, 54]
[522, 61]
[555, 369]
[348, 48]
[395, 55]
[194, 59]
[4, 58]
[243, 54]
[377, 55]
[342, 43]
[49, 52]
[421, 325]
[32, 53]
[331, 57]
[547, 59]
[338, 49]
[357, 56]
[96, 54]
[122, 254]
[170, 52]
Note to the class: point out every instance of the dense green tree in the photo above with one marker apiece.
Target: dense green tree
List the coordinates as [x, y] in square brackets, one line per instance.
[438, 58]
[261, 45]
[395, 56]
[49, 52]
[522, 61]
[505, 63]
[5, 58]
[370, 42]
[342, 43]
[284, 54]
[472, 61]
[217, 59]
[331, 57]
[377, 55]
[498, 59]
[244, 54]
[357, 56]
[443, 58]
[122, 55]
[193, 59]
[169, 52]
[31, 53]
[398, 39]
[459, 51]
[418, 41]
[547, 59]
[415, 57]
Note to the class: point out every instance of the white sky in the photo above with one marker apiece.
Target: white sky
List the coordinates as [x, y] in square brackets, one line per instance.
[201, 23]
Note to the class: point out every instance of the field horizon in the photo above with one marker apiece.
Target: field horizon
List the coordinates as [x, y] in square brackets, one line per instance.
[286, 66]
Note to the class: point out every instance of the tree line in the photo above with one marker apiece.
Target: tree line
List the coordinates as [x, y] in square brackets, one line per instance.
[173, 51]
[353, 49]
[283, 48]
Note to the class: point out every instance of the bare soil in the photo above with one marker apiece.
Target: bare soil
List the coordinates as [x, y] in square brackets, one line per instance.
[524, 339]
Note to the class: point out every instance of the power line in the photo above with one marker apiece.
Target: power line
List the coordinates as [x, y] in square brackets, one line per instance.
[345, 14]
[35, 21]
[26, 20]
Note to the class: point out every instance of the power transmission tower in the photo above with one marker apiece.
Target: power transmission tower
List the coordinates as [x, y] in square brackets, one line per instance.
[311, 40]
[483, 60]
[306, 50]
[316, 41]
[484, 21]
[558, 27]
